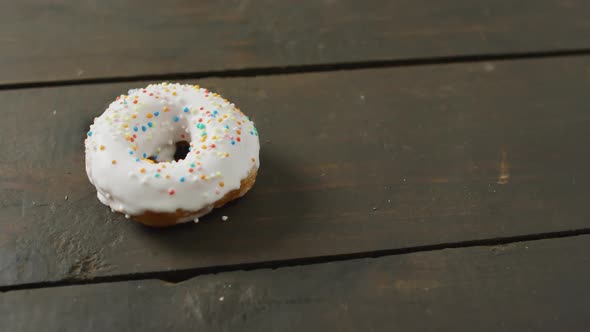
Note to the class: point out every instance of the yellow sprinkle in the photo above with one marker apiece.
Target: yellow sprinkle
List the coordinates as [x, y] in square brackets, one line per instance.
[226, 155]
[167, 176]
[102, 147]
[174, 93]
[113, 161]
[142, 170]
[221, 184]
[125, 125]
[134, 116]
[166, 109]
[203, 177]
[150, 115]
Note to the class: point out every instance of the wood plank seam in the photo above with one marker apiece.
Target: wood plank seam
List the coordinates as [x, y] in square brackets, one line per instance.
[304, 69]
[178, 276]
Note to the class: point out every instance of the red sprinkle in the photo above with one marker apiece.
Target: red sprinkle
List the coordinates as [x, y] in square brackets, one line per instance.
[190, 170]
[238, 139]
[171, 191]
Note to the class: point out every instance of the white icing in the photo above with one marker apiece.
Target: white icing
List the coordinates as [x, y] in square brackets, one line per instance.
[225, 148]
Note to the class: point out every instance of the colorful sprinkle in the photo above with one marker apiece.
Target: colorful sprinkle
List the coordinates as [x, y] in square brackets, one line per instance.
[176, 119]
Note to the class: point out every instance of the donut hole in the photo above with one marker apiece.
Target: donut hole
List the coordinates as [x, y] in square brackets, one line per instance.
[182, 149]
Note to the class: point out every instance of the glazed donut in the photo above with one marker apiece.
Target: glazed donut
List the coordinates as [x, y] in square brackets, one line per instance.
[134, 153]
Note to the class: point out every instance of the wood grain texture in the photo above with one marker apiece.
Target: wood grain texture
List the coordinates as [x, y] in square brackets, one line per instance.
[67, 40]
[352, 161]
[528, 286]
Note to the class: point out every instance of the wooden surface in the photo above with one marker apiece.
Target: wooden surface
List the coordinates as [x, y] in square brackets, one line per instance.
[386, 140]
[352, 161]
[46, 41]
[529, 286]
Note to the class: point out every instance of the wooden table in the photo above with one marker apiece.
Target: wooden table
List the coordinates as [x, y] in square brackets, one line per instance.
[424, 166]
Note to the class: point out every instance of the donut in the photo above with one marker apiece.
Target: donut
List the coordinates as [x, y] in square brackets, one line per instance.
[170, 153]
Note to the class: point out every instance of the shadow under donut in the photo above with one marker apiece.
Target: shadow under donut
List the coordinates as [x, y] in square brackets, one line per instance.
[256, 223]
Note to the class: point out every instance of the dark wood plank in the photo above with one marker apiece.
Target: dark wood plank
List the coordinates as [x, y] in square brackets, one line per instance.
[528, 286]
[65, 40]
[352, 161]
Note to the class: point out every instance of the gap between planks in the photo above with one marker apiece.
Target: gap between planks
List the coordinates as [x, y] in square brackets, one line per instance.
[178, 276]
[301, 69]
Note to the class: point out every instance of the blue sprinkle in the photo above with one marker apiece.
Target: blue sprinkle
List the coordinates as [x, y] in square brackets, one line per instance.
[135, 129]
[233, 142]
[182, 179]
[89, 133]
[251, 133]
[201, 126]
[143, 128]
[176, 119]
[215, 112]
[157, 175]
[226, 126]
[136, 159]
[190, 149]
[204, 134]
[130, 151]
[156, 113]
[155, 157]
[185, 110]
[193, 165]
[150, 124]
[144, 155]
